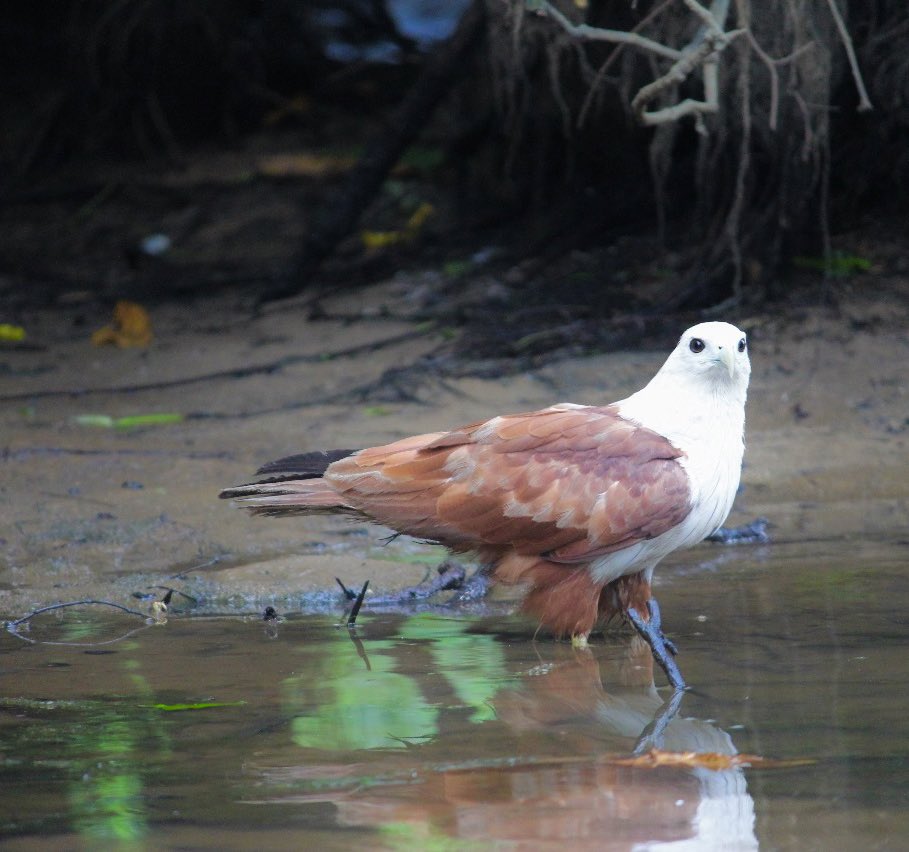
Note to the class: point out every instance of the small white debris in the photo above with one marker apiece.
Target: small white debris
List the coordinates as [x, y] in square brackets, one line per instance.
[155, 244]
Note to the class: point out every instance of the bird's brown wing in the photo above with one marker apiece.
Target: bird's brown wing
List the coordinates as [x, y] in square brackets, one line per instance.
[570, 483]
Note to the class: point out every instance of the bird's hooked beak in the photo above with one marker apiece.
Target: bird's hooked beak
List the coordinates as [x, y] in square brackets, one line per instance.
[727, 359]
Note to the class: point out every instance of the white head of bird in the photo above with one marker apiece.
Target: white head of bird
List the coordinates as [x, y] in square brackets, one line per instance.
[701, 388]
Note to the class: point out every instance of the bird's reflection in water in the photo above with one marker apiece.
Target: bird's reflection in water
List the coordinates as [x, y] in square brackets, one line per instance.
[563, 723]
[599, 803]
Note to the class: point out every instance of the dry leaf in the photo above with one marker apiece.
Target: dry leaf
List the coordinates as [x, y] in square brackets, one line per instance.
[131, 327]
[304, 165]
[703, 760]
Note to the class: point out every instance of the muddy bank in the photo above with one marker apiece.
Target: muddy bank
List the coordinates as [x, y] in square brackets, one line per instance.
[89, 511]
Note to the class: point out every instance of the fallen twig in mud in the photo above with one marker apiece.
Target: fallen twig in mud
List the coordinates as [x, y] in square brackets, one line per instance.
[170, 592]
[25, 452]
[233, 373]
[449, 576]
[349, 594]
[355, 609]
[383, 389]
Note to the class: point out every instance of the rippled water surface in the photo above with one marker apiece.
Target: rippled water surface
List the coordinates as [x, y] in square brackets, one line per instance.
[449, 731]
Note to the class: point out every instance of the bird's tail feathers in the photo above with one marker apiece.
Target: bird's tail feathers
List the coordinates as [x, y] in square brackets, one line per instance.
[289, 497]
[303, 465]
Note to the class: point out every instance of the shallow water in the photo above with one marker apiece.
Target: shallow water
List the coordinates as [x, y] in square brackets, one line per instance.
[432, 730]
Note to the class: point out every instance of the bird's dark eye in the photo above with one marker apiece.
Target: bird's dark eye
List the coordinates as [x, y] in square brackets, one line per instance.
[696, 345]
[742, 345]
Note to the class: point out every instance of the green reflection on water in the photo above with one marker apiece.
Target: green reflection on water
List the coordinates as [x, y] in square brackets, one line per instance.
[112, 746]
[106, 748]
[355, 697]
[351, 707]
[107, 802]
[423, 837]
[473, 664]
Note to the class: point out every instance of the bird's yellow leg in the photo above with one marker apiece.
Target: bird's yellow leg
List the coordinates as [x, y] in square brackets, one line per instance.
[579, 640]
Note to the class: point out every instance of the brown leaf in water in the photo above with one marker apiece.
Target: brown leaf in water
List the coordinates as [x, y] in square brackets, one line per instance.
[712, 760]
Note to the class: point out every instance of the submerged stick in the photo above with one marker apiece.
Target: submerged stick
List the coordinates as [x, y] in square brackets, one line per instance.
[355, 609]
[18, 621]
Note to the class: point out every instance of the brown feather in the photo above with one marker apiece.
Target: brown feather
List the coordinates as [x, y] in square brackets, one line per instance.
[539, 494]
[565, 600]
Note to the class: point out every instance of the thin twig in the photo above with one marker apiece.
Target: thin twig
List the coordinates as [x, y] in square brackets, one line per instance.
[613, 56]
[698, 53]
[808, 140]
[706, 16]
[234, 373]
[25, 452]
[774, 79]
[675, 75]
[113, 641]
[864, 100]
[589, 33]
[733, 224]
[349, 594]
[771, 64]
[74, 603]
[355, 610]
[701, 52]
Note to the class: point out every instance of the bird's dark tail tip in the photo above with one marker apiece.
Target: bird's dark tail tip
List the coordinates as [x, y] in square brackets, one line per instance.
[303, 465]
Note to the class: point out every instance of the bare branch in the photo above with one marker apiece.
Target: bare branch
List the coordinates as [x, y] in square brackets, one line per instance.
[808, 141]
[705, 55]
[864, 100]
[588, 33]
[702, 51]
[774, 79]
[613, 56]
[706, 15]
[733, 223]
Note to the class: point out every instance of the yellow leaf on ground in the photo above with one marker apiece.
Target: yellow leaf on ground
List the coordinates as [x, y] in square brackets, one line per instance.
[14, 333]
[419, 217]
[384, 239]
[131, 327]
[381, 239]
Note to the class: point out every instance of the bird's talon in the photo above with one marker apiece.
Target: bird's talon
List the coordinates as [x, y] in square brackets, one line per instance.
[662, 649]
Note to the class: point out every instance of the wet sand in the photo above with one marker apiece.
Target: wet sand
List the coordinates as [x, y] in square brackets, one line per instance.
[91, 512]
